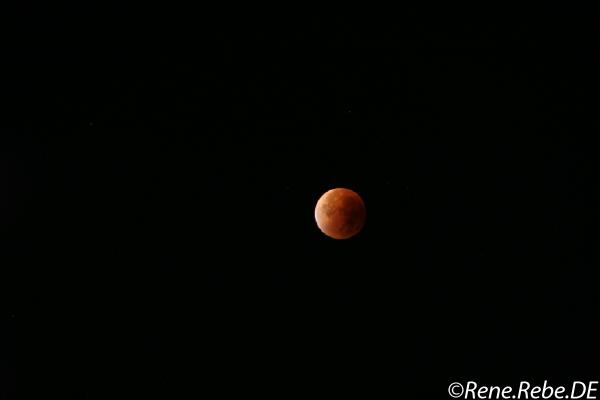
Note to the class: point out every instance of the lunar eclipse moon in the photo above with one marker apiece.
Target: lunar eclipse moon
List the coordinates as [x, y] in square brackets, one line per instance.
[340, 213]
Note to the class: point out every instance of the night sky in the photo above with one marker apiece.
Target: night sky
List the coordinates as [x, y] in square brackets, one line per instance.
[162, 183]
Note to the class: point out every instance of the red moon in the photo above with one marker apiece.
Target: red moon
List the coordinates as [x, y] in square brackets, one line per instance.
[340, 213]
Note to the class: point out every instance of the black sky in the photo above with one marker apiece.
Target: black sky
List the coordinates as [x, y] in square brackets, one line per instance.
[164, 178]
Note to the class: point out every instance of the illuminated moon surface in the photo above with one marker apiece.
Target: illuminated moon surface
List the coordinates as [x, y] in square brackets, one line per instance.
[340, 213]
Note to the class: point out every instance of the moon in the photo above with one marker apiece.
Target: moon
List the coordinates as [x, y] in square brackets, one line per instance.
[340, 213]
